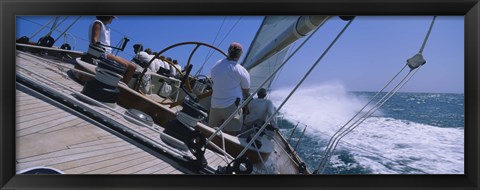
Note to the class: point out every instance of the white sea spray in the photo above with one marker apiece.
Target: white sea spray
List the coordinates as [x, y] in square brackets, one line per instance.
[382, 144]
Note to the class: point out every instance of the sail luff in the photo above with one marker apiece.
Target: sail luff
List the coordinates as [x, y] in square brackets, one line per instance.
[271, 44]
[277, 33]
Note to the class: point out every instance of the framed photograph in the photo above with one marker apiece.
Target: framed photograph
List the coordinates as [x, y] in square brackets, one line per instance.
[294, 95]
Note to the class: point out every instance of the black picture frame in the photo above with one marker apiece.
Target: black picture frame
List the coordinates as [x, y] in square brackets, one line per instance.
[469, 8]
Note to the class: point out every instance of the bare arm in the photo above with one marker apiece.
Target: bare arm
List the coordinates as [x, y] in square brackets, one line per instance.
[204, 95]
[245, 93]
[95, 33]
[270, 112]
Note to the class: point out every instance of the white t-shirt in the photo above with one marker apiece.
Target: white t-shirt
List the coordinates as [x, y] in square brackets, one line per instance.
[142, 57]
[165, 65]
[229, 78]
[145, 58]
[173, 71]
[179, 67]
[104, 37]
[156, 64]
[260, 110]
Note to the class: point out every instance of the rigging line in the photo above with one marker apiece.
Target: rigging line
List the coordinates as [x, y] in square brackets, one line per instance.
[325, 160]
[117, 47]
[83, 39]
[379, 155]
[255, 91]
[270, 69]
[398, 87]
[363, 118]
[116, 50]
[74, 40]
[334, 136]
[225, 37]
[296, 87]
[210, 50]
[428, 34]
[379, 103]
[260, 156]
[67, 28]
[216, 37]
[56, 30]
[41, 28]
[224, 149]
[279, 73]
[301, 136]
[332, 144]
[55, 26]
[293, 131]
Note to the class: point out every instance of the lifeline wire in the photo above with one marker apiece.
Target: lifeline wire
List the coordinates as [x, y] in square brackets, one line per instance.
[335, 139]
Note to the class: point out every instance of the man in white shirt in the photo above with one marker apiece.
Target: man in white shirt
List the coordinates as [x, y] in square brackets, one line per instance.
[144, 58]
[260, 110]
[175, 69]
[160, 65]
[231, 83]
[99, 34]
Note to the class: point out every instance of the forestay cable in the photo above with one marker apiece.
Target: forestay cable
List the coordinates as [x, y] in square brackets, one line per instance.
[414, 63]
[295, 89]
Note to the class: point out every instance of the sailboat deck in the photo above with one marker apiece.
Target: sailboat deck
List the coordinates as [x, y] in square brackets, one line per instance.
[52, 136]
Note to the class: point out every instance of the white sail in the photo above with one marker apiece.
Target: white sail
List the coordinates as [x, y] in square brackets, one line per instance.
[260, 72]
[270, 46]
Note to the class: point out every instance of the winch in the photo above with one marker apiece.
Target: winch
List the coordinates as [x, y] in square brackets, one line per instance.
[104, 87]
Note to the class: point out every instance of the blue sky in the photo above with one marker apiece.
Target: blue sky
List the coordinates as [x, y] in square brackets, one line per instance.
[371, 51]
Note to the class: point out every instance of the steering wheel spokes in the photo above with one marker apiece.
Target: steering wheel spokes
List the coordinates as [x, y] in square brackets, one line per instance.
[185, 78]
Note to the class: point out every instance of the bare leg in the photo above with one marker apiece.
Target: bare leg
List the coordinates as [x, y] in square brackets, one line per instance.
[129, 65]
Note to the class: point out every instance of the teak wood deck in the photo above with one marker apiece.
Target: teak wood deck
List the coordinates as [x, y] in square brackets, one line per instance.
[50, 135]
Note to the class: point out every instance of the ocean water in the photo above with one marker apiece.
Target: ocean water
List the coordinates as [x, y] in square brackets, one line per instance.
[412, 133]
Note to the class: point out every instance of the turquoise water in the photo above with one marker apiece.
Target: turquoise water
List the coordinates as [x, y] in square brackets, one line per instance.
[413, 133]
